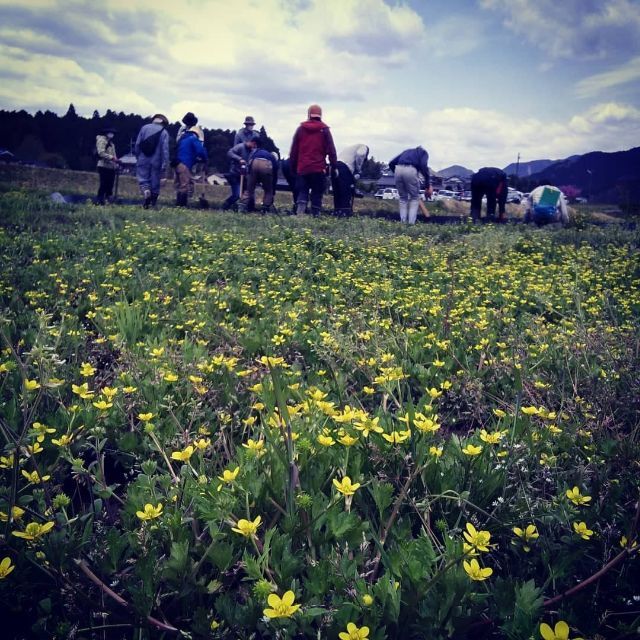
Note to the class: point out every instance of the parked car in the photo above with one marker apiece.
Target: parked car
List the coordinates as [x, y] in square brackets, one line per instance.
[514, 196]
[387, 194]
[465, 196]
[444, 194]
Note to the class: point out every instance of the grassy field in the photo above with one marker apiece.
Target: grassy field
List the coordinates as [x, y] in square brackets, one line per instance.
[224, 426]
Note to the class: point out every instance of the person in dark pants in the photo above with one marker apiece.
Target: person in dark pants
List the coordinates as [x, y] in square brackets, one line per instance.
[190, 150]
[492, 183]
[239, 156]
[312, 144]
[262, 169]
[343, 181]
[107, 163]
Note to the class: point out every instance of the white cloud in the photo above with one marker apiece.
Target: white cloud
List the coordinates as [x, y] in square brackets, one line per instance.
[587, 29]
[599, 82]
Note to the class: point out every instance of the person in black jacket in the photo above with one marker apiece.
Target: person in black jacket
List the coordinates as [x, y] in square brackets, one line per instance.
[492, 183]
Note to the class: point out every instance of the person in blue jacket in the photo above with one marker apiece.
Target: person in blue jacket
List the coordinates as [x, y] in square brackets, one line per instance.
[190, 150]
[406, 168]
[262, 169]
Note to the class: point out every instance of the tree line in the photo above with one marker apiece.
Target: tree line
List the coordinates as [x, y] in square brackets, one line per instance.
[68, 141]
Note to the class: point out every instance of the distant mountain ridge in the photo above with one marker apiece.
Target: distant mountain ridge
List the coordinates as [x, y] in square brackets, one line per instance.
[525, 169]
[455, 170]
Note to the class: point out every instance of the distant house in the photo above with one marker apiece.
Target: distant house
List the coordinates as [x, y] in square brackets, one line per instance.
[128, 163]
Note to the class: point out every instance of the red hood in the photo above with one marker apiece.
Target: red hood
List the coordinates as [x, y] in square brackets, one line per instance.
[313, 125]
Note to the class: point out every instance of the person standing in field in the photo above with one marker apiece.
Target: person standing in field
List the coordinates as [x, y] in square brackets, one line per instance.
[311, 146]
[239, 156]
[152, 152]
[491, 183]
[262, 169]
[407, 168]
[107, 163]
[247, 132]
[190, 150]
[188, 121]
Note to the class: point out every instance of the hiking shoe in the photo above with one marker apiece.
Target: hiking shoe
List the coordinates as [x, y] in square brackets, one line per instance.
[147, 199]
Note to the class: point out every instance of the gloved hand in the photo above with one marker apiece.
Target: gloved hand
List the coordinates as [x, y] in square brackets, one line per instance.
[356, 176]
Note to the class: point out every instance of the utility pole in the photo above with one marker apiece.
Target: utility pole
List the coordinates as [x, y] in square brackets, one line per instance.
[518, 165]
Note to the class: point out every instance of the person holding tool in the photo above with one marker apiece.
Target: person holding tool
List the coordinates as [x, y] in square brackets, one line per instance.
[406, 167]
[239, 156]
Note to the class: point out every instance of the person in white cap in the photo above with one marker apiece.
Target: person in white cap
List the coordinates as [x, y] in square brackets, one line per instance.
[312, 145]
[246, 133]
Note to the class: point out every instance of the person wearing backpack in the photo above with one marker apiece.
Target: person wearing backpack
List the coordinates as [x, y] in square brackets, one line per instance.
[489, 182]
[311, 146]
[546, 204]
[406, 168]
[190, 150]
[107, 163]
[152, 152]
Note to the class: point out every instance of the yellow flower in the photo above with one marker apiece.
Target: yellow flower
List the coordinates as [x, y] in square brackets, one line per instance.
[129, 389]
[150, 512]
[109, 392]
[436, 451]
[31, 385]
[472, 450]
[434, 393]
[347, 440]
[145, 417]
[367, 600]
[34, 477]
[345, 487]
[6, 462]
[561, 631]
[624, 543]
[86, 370]
[170, 377]
[326, 441]
[157, 352]
[499, 413]
[438, 363]
[202, 443]
[228, 476]
[395, 437]
[576, 497]
[490, 438]
[255, 446]
[368, 390]
[34, 530]
[42, 430]
[82, 390]
[63, 441]
[183, 455]
[581, 529]
[271, 361]
[6, 567]
[103, 405]
[529, 411]
[475, 572]
[247, 528]
[477, 539]
[281, 607]
[353, 633]
[526, 535]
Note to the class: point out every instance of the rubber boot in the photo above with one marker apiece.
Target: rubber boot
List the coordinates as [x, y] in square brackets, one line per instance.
[301, 207]
[413, 211]
[315, 211]
[154, 199]
[403, 211]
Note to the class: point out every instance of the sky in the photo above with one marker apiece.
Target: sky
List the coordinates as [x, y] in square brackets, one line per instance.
[475, 82]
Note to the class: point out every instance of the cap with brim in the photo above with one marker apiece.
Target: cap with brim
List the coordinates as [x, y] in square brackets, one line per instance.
[190, 120]
[249, 120]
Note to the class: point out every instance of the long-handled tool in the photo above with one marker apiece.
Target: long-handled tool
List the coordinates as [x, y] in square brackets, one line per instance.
[115, 186]
[203, 203]
[424, 209]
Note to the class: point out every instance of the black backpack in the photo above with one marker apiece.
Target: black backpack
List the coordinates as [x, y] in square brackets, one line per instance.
[149, 145]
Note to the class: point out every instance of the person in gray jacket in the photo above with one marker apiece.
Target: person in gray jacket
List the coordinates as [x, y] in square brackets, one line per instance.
[239, 156]
[152, 152]
[247, 132]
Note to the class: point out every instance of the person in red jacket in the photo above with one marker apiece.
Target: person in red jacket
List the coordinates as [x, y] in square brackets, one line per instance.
[312, 143]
